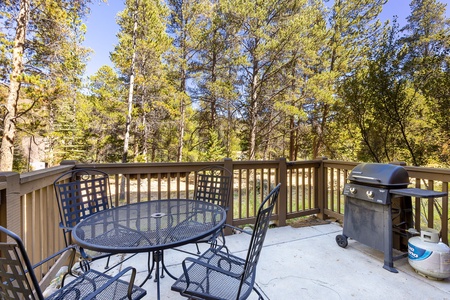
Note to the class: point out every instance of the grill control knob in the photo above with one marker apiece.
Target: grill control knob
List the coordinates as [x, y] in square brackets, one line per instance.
[370, 194]
[352, 190]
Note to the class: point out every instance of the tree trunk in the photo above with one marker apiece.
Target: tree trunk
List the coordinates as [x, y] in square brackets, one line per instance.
[130, 90]
[130, 103]
[292, 138]
[253, 111]
[9, 123]
[181, 132]
[182, 103]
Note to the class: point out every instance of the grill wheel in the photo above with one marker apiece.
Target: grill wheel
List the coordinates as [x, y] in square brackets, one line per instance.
[341, 240]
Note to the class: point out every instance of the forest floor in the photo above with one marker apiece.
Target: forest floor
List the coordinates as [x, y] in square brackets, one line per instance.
[308, 221]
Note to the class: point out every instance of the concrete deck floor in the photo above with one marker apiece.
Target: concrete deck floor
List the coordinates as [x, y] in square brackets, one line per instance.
[306, 263]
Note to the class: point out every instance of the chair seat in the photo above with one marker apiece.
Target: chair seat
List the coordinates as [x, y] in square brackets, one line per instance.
[216, 284]
[85, 285]
[188, 229]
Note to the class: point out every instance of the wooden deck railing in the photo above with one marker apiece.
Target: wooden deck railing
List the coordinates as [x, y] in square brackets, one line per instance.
[28, 206]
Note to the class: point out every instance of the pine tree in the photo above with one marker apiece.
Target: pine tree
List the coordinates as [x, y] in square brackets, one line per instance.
[40, 62]
[101, 117]
[352, 25]
[138, 59]
[427, 64]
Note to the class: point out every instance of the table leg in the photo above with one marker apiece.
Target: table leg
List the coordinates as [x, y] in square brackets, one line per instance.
[157, 259]
[158, 256]
[149, 268]
[164, 268]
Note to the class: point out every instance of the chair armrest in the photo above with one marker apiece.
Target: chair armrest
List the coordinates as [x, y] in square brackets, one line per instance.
[61, 225]
[84, 255]
[113, 279]
[208, 266]
[62, 260]
[216, 234]
[238, 229]
[60, 252]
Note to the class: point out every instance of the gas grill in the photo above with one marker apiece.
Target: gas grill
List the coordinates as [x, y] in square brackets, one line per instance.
[378, 209]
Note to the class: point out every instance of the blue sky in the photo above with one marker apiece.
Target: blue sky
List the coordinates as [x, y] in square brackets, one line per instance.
[102, 27]
[101, 33]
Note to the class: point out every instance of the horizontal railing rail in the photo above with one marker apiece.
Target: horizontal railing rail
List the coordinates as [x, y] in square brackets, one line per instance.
[433, 212]
[28, 205]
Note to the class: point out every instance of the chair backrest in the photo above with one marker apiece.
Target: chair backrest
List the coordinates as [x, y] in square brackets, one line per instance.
[17, 278]
[259, 233]
[80, 193]
[214, 186]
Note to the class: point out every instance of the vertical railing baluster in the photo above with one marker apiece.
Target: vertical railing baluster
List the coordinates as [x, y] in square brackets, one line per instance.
[138, 183]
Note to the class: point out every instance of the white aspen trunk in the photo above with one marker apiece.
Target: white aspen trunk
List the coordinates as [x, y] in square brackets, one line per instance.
[182, 106]
[182, 125]
[253, 113]
[130, 103]
[130, 91]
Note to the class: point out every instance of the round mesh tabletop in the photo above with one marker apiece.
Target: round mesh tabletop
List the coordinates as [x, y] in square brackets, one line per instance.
[149, 226]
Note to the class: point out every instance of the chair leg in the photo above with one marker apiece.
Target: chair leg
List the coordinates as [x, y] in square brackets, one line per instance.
[150, 268]
[260, 293]
[64, 278]
[198, 249]
[160, 261]
[107, 263]
[84, 265]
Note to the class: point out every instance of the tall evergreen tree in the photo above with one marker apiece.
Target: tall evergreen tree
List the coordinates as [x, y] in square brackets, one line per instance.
[269, 33]
[185, 26]
[101, 117]
[427, 65]
[381, 102]
[351, 27]
[9, 121]
[138, 58]
[213, 69]
[45, 51]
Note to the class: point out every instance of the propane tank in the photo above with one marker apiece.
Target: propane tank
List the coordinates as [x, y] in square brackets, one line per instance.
[428, 255]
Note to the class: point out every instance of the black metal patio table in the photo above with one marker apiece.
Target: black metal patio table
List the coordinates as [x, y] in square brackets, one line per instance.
[150, 226]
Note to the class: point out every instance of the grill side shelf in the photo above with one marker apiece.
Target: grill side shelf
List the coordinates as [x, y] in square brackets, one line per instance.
[415, 192]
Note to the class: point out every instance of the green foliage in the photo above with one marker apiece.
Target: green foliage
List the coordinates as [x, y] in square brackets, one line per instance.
[392, 115]
[239, 79]
[426, 64]
[53, 63]
[101, 117]
[213, 150]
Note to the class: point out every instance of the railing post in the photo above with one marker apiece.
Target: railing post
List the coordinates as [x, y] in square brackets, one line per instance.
[321, 189]
[228, 165]
[445, 215]
[10, 211]
[68, 162]
[282, 197]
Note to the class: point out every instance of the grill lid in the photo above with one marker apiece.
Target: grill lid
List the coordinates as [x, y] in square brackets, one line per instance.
[380, 175]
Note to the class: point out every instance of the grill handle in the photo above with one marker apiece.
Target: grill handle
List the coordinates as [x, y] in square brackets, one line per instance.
[366, 178]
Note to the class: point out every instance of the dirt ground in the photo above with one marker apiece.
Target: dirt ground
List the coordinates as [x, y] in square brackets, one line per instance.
[308, 221]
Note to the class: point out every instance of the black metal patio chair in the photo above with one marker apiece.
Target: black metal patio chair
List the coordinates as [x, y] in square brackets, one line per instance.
[217, 274]
[19, 281]
[214, 186]
[81, 193]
